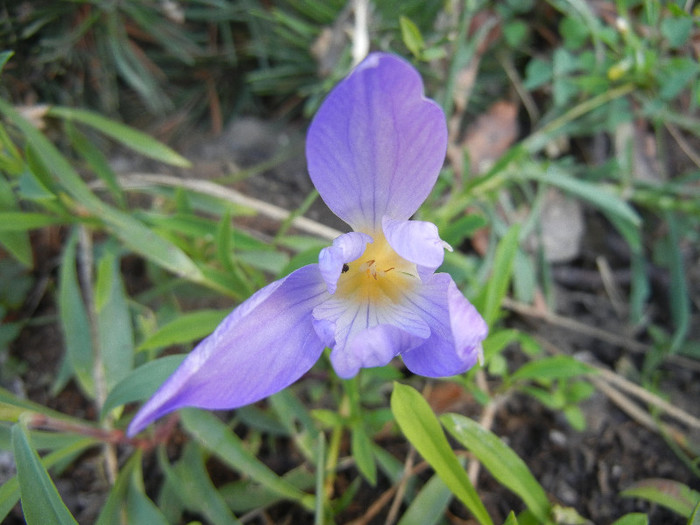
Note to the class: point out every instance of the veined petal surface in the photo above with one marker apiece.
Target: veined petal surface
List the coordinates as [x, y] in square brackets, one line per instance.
[366, 333]
[456, 330]
[376, 145]
[263, 346]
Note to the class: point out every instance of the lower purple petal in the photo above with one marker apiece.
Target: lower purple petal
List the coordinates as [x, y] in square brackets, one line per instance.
[263, 346]
[374, 346]
[457, 330]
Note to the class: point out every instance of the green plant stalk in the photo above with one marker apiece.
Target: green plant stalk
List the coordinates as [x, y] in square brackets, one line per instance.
[319, 510]
[334, 448]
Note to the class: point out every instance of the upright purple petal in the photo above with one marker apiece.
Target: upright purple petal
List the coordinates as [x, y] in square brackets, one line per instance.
[376, 145]
[264, 345]
[457, 330]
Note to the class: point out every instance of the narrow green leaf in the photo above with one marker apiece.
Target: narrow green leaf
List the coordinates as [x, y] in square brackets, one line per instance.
[429, 505]
[16, 221]
[191, 481]
[41, 503]
[361, 446]
[501, 273]
[680, 298]
[97, 161]
[694, 518]
[186, 328]
[556, 367]
[420, 426]
[500, 460]
[511, 519]
[4, 57]
[220, 440]
[116, 337]
[10, 489]
[671, 494]
[634, 518]
[74, 319]
[596, 194]
[131, 138]
[411, 36]
[142, 382]
[16, 242]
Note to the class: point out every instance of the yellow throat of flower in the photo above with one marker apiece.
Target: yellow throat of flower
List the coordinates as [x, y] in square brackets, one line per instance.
[378, 275]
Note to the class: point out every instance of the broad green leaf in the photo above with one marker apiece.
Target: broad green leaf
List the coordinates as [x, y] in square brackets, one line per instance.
[429, 505]
[41, 503]
[116, 337]
[556, 367]
[420, 426]
[497, 287]
[142, 382]
[220, 440]
[671, 494]
[131, 138]
[500, 460]
[10, 489]
[635, 518]
[185, 328]
[74, 319]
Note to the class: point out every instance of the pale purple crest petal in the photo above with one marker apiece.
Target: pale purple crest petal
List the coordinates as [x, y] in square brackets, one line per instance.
[264, 345]
[344, 249]
[376, 145]
[374, 346]
[416, 241]
[457, 330]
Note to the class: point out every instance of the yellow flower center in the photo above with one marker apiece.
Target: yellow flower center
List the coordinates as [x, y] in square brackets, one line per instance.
[380, 275]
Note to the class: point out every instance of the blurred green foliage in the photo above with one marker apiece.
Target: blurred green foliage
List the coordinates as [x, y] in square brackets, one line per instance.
[581, 75]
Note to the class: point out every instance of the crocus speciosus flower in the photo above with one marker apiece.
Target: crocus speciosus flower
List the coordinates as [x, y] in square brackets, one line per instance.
[374, 151]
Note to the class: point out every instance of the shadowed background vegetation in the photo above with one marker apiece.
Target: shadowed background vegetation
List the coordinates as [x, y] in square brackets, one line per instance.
[152, 177]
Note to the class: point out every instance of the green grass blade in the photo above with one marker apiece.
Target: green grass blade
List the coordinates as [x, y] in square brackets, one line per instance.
[420, 426]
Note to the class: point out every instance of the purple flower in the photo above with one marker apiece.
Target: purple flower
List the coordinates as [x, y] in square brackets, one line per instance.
[374, 150]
